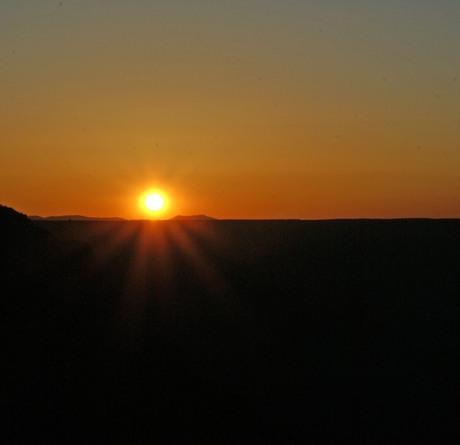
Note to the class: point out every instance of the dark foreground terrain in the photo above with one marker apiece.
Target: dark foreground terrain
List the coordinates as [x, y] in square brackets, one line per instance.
[224, 331]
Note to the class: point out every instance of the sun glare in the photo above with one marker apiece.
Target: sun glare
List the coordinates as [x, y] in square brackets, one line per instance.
[153, 202]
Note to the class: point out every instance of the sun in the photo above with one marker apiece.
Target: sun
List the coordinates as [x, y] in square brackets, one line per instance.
[154, 202]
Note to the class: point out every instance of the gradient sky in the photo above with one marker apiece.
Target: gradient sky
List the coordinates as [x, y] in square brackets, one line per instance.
[236, 109]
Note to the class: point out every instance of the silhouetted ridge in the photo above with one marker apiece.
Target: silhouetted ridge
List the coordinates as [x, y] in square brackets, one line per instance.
[16, 229]
[33, 263]
[191, 217]
[75, 218]
[10, 217]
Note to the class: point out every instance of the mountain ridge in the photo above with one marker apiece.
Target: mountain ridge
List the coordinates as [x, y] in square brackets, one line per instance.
[74, 218]
[191, 217]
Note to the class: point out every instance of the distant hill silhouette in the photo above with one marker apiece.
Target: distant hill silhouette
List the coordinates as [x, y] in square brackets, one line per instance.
[191, 217]
[74, 218]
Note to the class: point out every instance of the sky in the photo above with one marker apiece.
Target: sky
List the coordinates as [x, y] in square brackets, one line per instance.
[235, 109]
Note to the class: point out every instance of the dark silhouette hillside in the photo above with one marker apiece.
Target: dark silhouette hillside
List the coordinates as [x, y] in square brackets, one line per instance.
[31, 255]
[230, 331]
[44, 319]
[10, 217]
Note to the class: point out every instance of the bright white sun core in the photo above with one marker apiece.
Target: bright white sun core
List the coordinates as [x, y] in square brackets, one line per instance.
[154, 202]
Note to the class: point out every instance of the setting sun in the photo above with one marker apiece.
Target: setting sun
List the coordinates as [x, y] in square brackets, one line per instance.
[154, 202]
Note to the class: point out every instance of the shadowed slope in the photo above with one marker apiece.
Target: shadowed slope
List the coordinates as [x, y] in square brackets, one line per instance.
[266, 331]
